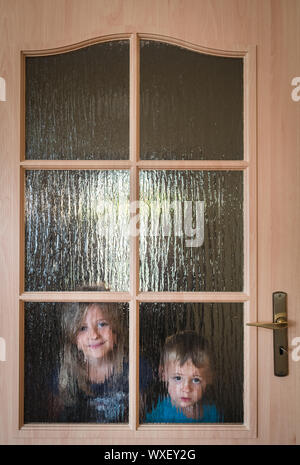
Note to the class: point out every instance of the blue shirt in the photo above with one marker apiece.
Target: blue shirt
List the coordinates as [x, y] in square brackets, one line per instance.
[166, 412]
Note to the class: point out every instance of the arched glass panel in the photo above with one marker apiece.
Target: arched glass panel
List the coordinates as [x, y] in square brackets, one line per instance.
[191, 104]
[77, 104]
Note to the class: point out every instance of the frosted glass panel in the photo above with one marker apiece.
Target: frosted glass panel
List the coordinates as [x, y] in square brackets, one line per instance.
[76, 363]
[191, 104]
[191, 231]
[192, 358]
[77, 104]
[76, 230]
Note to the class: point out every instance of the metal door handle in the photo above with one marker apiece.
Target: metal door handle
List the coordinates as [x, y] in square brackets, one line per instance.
[280, 340]
[280, 323]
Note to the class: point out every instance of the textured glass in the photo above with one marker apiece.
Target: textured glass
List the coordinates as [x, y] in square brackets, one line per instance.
[221, 325]
[191, 230]
[191, 104]
[59, 382]
[76, 230]
[77, 104]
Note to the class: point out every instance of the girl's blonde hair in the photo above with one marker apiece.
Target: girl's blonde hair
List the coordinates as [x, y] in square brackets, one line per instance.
[73, 375]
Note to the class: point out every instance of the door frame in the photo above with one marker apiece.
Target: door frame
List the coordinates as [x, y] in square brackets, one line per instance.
[135, 297]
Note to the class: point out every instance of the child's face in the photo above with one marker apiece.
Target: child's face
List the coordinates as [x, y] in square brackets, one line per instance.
[186, 383]
[95, 337]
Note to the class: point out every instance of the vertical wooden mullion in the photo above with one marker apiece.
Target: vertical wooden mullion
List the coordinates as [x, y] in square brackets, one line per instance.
[22, 232]
[21, 363]
[134, 238]
[250, 238]
[21, 336]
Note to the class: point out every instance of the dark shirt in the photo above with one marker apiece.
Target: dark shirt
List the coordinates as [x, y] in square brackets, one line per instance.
[106, 402]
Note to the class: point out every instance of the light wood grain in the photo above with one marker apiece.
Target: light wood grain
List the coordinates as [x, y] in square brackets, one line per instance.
[75, 296]
[278, 213]
[192, 297]
[141, 164]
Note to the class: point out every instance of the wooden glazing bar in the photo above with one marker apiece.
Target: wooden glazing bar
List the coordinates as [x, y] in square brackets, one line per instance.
[193, 165]
[75, 296]
[134, 239]
[205, 165]
[76, 164]
[192, 297]
[140, 297]
[21, 364]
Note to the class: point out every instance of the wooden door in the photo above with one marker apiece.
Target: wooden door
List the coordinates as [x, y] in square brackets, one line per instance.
[264, 34]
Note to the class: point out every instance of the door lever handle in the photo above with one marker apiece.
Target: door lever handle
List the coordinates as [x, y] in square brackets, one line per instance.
[280, 323]
[280, 339]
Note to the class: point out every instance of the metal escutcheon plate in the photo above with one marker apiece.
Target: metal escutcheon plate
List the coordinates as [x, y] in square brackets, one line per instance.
[280, 337]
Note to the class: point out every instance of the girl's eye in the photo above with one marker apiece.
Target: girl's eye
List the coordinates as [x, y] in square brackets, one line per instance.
[196, 380]
[102, 324]
[83, 328]
[177, 378]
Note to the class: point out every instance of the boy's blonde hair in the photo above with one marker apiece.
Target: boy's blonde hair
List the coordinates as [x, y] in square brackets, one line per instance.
[184, 346]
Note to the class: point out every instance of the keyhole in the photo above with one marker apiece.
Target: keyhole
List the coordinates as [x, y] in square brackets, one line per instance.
[282, 350]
